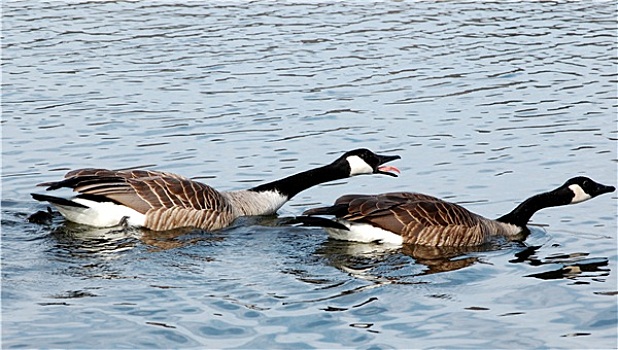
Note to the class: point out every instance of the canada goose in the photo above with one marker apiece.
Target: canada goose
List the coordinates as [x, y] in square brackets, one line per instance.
[403, 217]
[162, 201]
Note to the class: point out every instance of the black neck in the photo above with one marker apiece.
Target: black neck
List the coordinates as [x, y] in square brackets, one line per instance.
[292, 185]
[522, 214]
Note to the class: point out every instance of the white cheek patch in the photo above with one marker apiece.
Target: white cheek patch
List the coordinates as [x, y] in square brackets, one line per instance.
[580, 195]
[358, 166]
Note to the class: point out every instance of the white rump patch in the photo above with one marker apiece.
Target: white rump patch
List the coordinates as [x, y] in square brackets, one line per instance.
[101, 214]
[580, 194]
[359, 232]
[358, 166]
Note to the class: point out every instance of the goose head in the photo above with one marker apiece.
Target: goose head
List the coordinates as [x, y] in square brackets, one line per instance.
[574, 190]
[363, 161]
[581, 188]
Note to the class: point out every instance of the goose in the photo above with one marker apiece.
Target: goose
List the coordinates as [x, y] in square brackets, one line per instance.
[414, 218]
[162, 201]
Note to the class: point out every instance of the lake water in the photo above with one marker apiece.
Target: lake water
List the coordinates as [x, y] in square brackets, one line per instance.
[486, 103]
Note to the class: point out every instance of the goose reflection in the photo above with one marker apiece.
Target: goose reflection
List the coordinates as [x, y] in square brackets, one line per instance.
[405, 261]
[79, 240]
[445, 259]
[86, 239]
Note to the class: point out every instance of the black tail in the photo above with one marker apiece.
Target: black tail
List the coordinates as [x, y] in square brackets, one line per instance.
[337, 210]
[56, 200]
[312, 221]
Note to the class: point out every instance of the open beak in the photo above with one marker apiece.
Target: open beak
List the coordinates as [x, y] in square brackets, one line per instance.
[387, 169]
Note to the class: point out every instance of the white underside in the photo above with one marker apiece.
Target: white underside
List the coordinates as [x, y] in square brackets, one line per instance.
[101, 214]
[359, 232]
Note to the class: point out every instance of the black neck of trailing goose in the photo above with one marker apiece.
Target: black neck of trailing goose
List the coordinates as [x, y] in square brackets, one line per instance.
[522, 214]
[292, 185]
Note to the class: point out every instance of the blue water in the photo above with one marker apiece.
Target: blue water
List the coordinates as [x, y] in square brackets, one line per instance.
[486, 103]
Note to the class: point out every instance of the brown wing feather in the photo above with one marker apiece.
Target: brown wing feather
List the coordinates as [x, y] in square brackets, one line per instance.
[166, 192]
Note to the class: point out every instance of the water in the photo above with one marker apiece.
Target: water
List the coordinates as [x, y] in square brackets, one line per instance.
[487, 103]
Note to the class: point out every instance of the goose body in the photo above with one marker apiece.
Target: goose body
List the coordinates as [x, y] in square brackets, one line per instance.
[163, 201]
[414, 218]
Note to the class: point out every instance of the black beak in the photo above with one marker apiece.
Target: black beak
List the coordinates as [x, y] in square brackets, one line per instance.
[386, 170]
[386, 159]
[603, 189]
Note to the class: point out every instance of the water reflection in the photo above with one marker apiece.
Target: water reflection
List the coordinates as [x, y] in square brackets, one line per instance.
[82, 240]
[574, 266]
[42, 217]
